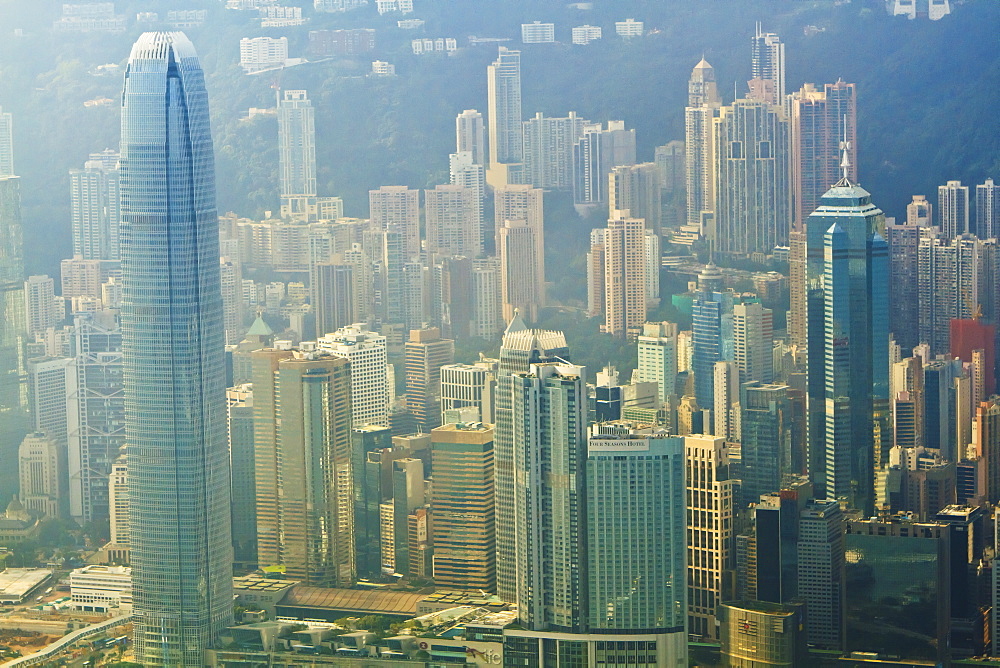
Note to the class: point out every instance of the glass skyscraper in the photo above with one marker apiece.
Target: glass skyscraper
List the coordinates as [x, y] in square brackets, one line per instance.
[174, 370]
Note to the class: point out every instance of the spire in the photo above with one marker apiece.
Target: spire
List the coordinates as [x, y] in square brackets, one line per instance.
[845, 160]
[516, 323]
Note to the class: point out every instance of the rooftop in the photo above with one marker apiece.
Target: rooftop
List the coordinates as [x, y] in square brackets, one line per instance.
[354, 600]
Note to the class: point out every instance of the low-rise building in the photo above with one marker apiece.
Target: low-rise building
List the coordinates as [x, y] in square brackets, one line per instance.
[101, 589]
[18, 584]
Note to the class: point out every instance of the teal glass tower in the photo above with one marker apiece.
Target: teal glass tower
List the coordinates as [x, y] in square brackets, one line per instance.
[848, 339]
[173, 347]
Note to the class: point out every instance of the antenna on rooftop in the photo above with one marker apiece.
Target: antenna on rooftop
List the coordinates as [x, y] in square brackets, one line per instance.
[845, 146]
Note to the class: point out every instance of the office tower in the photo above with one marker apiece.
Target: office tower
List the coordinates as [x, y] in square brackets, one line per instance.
[451, 295]
[760, 633]
[709, 529]
[822, 581]
[699, 145]
[334, 301]
[906, 387]
[40, 306]
[503, 81]
[463, 502]
[848, 332]
[549, 404]
[951, 277]
[118, 501]
[519, 349]
[242, 448]
[753, 341]
[258, 336]
[426, 353]
[469, 386]
[548, 150]
[596, 152]
[797, 316]
[987, 445]
[384, 255]
[96, 217]
[371, 453]
[657, 358]
[6, 143]
[80, 278]
[636, 189]
[726, 406]
[397, 209]
[413, 298]
[296, 153]
[624, 275]
[904, 242]
[635, 487]
[174, 373]
[953, 209]
[766, 438]
[48, 384]
[987, 210]
[453, 221]
[408, 499]
[751, 164]
[302, 465]
[232, 300]
[767, 53]
[369, 389]
[920, 212]
[12, 319]
[470, 135]
[96, 415]
[820, 121]
[517, 247]
[884, 613]
[39, 472]
[711, 330]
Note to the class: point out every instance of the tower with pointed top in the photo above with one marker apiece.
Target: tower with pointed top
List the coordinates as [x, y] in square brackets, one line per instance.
[174, 366]
[703, 105]
[848, 341]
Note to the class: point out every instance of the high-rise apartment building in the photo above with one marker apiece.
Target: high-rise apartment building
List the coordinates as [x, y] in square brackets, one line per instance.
[951, 280]
[302, 464]
[503, 81]
[597, 151]
[462, 498]
[40, 306]
[624, 275]
[517, 247]
[953, 209]
[751, 165]
[699, 144]
[465, 172]
[453, 221]
[369, 388]
[174, 370]
[81, 278]
[487, 305]
[548, 150]
[848, 332]
[988, 210]
[470, 135]
[12, 320]
[767, 63]
[820, 121]
[636, 189]
[523, 202]
[426, 352]
[94, 196]
[521, 347]
[397, 209]
[710, 545]
[296, 153]
[657, 357]
[334, 290]
[904, 243]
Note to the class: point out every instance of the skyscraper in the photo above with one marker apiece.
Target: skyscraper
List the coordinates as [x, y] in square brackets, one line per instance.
[521, 347]
[950, 282]
[517, 248]
[904, 242]
[470, 135]
[624, 277]
[369, 388]
[847, 271]
[95, 199]
[953, 209]
[548, 150]
[174, 369]
[426, 353]
[453, 221]
[765, 436]
[41, 310]
[767, 63]
[753, 341]
[822, 582]
[988, 210]
[821, 120]
[657, 361]
[524, 202]
[397, 209]
[503, 80]
[296, 152]
[596, 153]
[636, 189]
[12, 319]
[699, 144]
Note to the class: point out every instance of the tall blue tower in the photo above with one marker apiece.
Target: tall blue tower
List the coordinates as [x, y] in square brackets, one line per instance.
[174, 372]
[848, 339]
